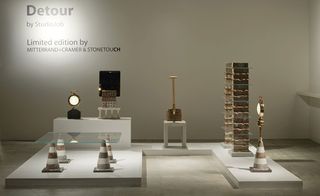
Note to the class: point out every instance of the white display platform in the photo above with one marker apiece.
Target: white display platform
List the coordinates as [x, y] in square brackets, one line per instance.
[128, 169]
[122, 125]
[79, 172]
[238, 173]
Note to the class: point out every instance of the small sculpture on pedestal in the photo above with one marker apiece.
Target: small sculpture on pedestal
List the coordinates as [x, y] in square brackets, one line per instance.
[74, 101]
[260, 161]
[174, 114]
[109, 90]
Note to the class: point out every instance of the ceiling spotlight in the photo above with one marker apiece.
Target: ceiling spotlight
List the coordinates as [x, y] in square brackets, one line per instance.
[74, 101]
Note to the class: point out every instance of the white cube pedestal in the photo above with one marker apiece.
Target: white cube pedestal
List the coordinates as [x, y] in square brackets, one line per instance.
[182, 124]
[122, 125]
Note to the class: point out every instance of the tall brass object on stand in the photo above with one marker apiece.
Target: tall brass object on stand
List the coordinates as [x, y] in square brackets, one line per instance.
[260, 161]
[174, 114]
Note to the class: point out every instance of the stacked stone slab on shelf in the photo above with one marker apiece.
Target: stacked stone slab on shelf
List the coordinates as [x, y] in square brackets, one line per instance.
[110, 108]
[237, 107]
[109, 98]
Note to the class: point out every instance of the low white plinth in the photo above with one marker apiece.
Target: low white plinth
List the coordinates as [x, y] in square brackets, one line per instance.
[158, 149]
[168, 124]
[239, 175]
[241, 154]
[122, 125]
[79, 172]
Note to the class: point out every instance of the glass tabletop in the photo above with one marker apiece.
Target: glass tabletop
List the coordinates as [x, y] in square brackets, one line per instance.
[80, 137]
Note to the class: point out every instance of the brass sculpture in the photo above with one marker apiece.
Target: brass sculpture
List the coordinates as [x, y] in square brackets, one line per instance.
[174, 114]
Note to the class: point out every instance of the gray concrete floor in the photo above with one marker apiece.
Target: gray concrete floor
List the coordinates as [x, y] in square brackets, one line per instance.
[182, 175]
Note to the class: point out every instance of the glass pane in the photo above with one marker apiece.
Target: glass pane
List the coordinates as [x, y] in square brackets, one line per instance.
[80, 137]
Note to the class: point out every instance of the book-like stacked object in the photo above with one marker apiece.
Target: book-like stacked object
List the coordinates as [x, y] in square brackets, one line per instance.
[109, 98]
[237, 106]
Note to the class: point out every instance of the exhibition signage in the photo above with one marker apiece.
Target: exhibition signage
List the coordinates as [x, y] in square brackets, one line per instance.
[54, 29]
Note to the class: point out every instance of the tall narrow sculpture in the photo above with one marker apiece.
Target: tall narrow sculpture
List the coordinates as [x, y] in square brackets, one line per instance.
[174, 114]
[228, 108]
[260, 161]
[236, 117]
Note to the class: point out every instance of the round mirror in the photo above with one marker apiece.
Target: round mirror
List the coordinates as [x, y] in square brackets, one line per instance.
[74, 99]
[260, 107]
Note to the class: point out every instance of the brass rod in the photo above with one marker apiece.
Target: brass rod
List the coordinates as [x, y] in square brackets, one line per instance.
[173, 92]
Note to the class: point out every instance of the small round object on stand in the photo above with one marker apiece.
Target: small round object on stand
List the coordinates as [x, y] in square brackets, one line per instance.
[74, 101]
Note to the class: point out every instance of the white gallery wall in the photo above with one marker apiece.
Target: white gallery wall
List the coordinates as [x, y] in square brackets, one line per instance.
[190, 38]
[314, 69]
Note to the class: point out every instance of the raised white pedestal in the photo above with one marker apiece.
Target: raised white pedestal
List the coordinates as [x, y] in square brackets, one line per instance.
[128, 169]
[182, 124]
[79, 172]
[238, 173]
[122, 125]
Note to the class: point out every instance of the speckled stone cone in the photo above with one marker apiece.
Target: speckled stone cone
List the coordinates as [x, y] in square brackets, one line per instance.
[52, 162]
[61, 151]
[109, 148]
[260, 161]
[103, 164]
